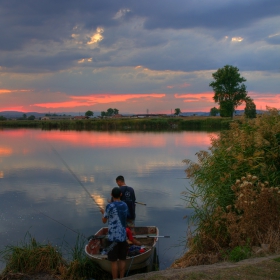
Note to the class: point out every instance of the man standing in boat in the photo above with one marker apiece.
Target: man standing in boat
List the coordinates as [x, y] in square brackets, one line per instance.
[128, 196]
[116, 214]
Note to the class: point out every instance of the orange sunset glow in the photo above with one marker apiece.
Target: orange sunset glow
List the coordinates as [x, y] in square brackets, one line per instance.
[114, 140]
[4, 151]
[90, 100]
[138, 58]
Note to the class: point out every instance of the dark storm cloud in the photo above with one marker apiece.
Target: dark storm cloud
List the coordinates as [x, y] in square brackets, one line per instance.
[37, 36]
[206, 14]
[45, 20]
[40, 63]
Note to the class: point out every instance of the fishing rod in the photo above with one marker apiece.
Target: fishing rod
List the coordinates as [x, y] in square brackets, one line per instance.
[74, 175]
[102, 236]
[141, 203]
[135, 236]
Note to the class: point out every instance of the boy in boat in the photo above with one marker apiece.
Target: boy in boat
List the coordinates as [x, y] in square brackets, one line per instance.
[130, 239]
[128, 196]
[116, 214]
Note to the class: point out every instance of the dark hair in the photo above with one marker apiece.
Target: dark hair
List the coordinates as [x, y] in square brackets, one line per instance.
[120, 178]
[116, 192]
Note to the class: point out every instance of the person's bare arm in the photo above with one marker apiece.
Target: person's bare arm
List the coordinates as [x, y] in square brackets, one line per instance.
[104, 220]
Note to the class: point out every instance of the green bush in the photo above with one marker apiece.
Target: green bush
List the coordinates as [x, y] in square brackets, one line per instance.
[249, 149]
[239, 253]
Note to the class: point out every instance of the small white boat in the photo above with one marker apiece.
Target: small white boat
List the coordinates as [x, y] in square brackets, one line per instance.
[148, 236]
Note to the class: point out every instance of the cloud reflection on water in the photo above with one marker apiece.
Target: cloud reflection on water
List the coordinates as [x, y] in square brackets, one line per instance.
[35, 180]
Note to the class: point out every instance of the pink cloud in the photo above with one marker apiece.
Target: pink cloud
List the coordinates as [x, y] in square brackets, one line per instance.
[91, 100]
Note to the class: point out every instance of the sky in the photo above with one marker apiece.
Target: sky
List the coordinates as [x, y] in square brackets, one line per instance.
[148, 56]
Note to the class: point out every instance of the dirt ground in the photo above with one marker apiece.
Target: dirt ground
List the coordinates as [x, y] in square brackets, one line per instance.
[262, 268]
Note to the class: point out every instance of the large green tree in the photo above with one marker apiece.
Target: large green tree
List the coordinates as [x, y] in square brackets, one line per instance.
[230, 91]
[250, 109]
[214, 111]
[110, 112]
[177, 111]
[89, 113]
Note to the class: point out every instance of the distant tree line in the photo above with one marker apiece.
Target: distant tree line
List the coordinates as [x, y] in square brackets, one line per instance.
[110, 112]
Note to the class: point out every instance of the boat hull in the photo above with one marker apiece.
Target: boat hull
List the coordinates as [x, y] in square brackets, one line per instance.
[144, 234]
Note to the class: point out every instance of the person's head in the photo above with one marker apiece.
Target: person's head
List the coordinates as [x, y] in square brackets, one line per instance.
[116, 193]
[120, 180]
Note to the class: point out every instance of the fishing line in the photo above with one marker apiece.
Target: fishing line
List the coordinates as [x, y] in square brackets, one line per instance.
[63, 225]
[74, 175]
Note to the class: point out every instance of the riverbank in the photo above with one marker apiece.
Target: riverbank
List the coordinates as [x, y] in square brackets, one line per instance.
[261, 268]
[126, 124]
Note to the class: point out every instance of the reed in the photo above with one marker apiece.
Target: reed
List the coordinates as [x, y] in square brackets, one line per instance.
[31, 258]
[234, 188]
[126, 124]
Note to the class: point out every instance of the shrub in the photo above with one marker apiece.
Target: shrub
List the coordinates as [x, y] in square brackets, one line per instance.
[239, 253]
[31, 258]
[228, 210]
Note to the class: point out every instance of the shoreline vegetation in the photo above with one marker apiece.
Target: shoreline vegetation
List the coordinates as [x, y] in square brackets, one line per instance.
[126, 124]
[235, 195]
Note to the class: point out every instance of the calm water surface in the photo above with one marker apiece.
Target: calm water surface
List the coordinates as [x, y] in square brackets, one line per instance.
[34, 180]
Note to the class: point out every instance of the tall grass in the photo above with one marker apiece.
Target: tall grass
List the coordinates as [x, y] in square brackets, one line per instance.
[126, 124]
[230, 207]
[31, 258]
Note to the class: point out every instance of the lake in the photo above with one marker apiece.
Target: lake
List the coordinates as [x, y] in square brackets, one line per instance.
[46, 178]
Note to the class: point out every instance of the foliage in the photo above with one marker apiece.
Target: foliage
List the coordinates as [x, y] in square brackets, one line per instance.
[31, 117]
[177, 111]
[89, 113]
[239, 253]
[81, 267]
[255, 210]
[226, 109]
[2, 118]
[144, 124]
[32, 258]
[250, 109]
[229, 89]
[227, 212]
[214, 111]
[110, 112]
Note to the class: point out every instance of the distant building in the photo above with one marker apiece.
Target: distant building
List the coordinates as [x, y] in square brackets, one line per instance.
[45, 118]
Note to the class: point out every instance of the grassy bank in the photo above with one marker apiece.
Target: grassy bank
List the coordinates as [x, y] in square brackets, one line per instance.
[31, 258]
[126, 124]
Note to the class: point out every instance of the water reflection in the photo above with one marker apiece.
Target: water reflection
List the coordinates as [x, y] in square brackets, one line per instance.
[33, 179]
